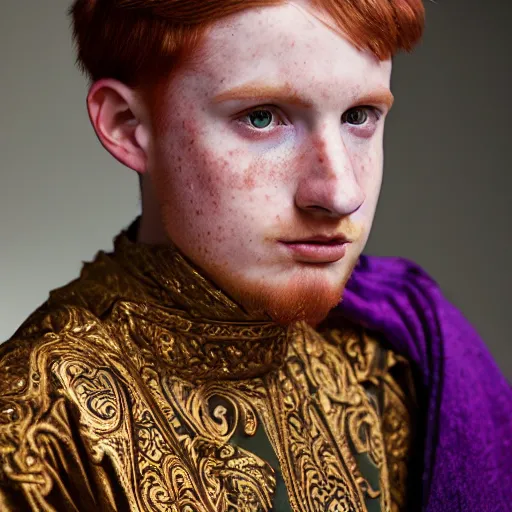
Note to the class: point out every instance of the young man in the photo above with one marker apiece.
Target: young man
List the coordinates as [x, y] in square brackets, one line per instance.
[209, 363]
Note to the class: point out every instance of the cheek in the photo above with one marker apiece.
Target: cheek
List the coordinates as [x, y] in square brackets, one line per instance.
[202, 196]
[260, 173]
[368, 171]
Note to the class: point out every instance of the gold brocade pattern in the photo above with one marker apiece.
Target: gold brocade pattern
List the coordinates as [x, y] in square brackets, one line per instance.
[140, 386]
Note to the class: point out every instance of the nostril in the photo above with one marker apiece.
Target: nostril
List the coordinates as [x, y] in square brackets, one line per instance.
[316, 208]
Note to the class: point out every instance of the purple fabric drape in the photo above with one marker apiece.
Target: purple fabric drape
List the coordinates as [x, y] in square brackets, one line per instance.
[468, 445]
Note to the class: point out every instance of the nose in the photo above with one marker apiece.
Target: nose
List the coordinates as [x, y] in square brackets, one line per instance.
[328, 185]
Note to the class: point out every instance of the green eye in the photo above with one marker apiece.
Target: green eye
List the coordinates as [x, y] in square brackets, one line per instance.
[260, 118]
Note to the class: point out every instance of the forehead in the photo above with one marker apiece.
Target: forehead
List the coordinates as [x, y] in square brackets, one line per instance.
[290, 43]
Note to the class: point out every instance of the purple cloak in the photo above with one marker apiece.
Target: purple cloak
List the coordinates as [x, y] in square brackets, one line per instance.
[467, 460]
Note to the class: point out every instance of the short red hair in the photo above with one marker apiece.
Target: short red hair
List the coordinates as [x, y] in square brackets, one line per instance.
[140, 42]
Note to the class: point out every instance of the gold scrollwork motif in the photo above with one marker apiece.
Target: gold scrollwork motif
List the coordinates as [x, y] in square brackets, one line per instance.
[235, 478]
[141, 387]
[315, 473]
[346, 407]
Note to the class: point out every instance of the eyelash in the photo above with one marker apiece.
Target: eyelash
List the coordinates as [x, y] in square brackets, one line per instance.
[370, 109]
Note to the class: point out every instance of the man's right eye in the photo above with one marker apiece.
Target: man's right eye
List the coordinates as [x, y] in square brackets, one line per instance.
[259, 119]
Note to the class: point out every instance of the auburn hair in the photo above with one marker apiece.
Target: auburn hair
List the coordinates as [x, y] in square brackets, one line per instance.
[140, 42]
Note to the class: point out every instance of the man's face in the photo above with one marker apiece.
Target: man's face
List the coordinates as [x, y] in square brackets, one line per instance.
[269, 157]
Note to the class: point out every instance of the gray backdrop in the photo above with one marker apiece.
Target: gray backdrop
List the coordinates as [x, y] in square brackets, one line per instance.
[446, 196]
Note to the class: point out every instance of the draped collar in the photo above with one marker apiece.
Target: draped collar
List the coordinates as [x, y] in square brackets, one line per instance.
[186, 320]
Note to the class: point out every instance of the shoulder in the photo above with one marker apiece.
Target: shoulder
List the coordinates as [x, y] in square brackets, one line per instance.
[382, 276]
[370, 355]
[38, 399]
[53, 335]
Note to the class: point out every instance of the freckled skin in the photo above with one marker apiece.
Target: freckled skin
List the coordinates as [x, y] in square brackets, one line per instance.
[227, 192]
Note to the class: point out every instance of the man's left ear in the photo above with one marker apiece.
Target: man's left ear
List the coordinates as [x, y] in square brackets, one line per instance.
[118, 118]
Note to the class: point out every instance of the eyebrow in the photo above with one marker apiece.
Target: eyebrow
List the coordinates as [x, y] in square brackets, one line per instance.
[256, 91]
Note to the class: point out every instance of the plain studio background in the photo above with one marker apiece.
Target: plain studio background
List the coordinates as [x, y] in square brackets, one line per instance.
[445, 203]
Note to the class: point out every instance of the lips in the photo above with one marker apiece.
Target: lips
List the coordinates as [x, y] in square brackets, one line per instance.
[317, 249]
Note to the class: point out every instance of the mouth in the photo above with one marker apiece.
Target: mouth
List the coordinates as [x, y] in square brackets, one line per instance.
[317, 249]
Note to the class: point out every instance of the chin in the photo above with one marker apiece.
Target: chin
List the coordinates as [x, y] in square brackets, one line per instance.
[306, 296]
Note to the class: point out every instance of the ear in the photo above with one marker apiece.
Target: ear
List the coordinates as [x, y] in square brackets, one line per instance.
[118, 117]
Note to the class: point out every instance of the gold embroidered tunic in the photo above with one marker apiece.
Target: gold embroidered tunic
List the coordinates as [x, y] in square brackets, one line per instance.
[142, 387]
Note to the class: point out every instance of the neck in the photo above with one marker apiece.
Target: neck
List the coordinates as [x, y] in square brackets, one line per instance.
[151, 230]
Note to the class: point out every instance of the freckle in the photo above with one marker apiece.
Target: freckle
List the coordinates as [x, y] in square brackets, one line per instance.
[249, 181]
[209, 232]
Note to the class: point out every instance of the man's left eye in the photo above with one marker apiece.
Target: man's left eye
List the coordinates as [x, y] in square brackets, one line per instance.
[359, 115]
